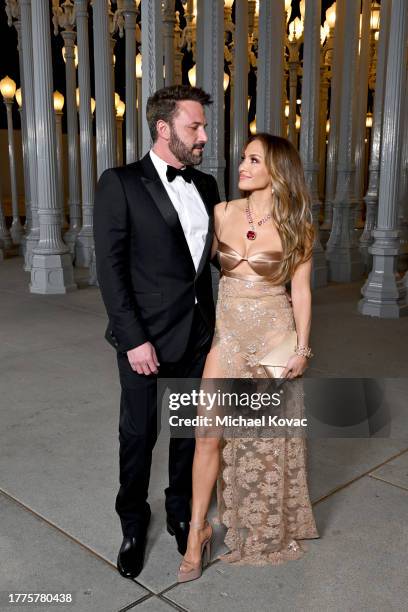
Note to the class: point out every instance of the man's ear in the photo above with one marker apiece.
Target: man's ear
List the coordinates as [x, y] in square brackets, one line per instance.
[163, 129]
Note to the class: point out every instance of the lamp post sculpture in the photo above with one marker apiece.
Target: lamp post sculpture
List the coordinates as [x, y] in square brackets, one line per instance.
[384, 293]
[58, 106]
[270, 45]
[376, 80]
[33, 235]
[14, 19]
[288, 13]
[8, 89]
[5, 238]
[187, 42]
[132, 35]
[169, 21]
[64, 17]
[326, 59]
[138, 71]
[51, 270]
[342, 252]
[239, 95]
[116, 24]
[178, 54]
[335, 21]
[294, 41]
[84, 243]
[27, 190]
[188, 35]
[120, 107]
[362, 74]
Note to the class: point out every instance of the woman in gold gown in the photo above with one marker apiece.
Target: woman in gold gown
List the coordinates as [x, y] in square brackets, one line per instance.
[263, 241]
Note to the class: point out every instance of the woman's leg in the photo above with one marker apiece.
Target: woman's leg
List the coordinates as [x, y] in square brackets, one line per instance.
[205, 471]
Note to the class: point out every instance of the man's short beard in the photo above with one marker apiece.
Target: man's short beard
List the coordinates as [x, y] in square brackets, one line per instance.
[184, 154]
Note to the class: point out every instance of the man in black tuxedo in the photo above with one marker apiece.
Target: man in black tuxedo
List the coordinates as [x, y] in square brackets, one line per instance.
[153, 226]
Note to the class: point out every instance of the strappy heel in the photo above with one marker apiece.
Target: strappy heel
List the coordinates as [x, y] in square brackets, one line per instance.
[196, 569]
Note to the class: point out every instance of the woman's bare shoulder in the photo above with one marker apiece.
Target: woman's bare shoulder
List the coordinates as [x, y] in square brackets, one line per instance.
[222, 206]
[239, 203]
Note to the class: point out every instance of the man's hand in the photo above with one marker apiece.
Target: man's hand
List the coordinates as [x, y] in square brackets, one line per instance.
[143, 359]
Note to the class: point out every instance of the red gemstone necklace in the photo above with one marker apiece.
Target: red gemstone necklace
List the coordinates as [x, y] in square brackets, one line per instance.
[251, 233]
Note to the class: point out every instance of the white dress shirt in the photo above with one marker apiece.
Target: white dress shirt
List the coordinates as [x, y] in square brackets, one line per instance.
[189, 206]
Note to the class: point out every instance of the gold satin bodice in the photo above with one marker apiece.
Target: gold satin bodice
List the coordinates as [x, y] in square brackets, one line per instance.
[262, 263]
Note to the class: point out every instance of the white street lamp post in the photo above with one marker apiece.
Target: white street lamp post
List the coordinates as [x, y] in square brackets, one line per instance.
[8, 89]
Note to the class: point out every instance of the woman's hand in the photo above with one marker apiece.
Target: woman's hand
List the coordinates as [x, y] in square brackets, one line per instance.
[295, 367]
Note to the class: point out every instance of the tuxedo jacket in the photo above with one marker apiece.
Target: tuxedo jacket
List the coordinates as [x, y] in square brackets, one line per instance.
[145, 271]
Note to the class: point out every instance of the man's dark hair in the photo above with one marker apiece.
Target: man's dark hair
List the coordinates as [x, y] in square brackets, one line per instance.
[163, 104]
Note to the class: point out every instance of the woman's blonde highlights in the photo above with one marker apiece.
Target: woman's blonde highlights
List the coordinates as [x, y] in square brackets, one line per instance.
[291, 210]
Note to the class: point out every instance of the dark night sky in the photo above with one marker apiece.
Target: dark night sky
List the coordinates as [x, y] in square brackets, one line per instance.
[9, 57]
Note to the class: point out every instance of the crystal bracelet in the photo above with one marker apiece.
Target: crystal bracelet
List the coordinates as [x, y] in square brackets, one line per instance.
[304, 351]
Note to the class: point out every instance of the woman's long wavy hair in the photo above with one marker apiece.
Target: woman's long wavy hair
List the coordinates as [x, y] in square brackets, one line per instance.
[291, 210]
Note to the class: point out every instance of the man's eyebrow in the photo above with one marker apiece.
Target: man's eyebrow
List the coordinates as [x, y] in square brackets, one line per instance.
[199, 123]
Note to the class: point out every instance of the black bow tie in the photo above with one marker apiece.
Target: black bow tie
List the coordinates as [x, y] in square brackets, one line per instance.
[172, 172]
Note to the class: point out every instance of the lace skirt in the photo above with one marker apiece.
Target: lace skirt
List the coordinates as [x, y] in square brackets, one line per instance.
[263, 497]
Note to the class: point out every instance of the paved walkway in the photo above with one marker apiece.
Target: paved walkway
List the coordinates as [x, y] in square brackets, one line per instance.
[58, 456]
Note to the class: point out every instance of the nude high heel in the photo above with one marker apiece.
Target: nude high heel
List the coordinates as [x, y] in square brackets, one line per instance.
[196, 569]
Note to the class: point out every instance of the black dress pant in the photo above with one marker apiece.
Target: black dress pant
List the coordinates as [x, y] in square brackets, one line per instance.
[138, 431]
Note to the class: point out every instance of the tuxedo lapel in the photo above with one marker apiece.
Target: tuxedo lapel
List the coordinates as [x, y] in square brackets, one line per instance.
[159, 195]
[200, 183]
[202, 188]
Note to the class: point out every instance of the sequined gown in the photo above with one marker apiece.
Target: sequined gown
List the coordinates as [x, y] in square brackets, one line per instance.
[263, 496]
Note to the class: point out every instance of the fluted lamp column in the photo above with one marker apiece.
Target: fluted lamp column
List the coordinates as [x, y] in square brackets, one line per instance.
[64, 17]
[403, 191]
[130, 13]
[326, 55]
[361, 111]
[104, 94]
[213, 82]
[169, 21]
[371, 196]
[120, 108]
[85, 242]
[74, 190]
[309, 135]
[178, 54]
[152, 53]
[58, 106]
[270, 71]
[51, 270]
[342, 252]
[8, 89]
[239, 122]
[5, 238]
[335, 22]
[384, 292]
[138, 72]
[27, 192]
[294, 41]
[29, 107]
[19, 97]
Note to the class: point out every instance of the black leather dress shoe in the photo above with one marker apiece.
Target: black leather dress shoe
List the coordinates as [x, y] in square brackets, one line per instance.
[180, 530]
[131, 556]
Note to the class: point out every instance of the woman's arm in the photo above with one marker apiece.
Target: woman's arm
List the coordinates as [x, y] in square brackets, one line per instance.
[302, 312]
[219, 211]
[302, 301]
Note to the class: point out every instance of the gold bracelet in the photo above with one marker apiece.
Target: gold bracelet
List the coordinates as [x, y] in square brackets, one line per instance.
[304, 351]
